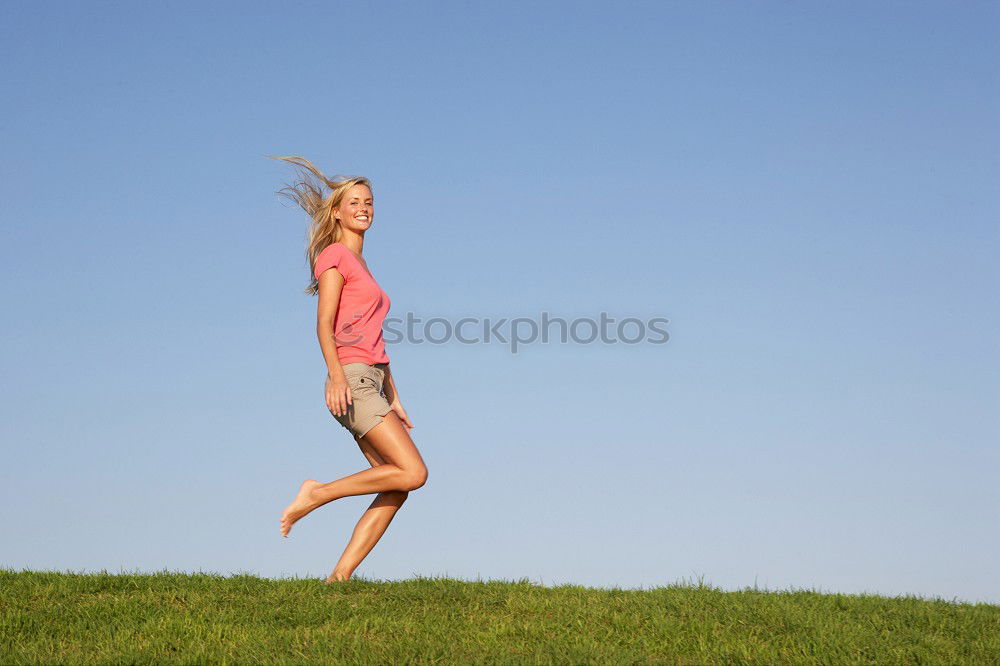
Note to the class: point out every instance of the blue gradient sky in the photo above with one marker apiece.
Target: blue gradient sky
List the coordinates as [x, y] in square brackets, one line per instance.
[806, 190]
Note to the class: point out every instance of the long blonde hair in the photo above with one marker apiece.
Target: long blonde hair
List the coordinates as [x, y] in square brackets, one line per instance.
[307, 193]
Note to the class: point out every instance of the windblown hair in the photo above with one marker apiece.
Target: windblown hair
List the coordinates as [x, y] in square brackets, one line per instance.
[307, 192]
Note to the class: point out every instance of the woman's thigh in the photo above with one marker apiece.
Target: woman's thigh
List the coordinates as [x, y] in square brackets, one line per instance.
[393, 498]
[390, 443]
[370, 453]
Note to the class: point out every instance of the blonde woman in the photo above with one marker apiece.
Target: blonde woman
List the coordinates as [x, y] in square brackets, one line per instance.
[360, 388]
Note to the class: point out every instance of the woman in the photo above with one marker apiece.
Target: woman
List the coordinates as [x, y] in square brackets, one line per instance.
[360, 389]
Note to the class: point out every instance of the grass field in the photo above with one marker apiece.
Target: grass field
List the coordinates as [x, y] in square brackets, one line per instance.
[197, 618]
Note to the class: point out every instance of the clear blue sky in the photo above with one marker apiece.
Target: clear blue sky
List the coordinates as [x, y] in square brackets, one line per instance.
[808, 191]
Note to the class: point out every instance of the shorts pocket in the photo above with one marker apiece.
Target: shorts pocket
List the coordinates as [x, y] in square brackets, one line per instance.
[374, 377]
[363, 385]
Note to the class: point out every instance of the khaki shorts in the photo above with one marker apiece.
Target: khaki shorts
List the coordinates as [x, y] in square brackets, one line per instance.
[368, 405]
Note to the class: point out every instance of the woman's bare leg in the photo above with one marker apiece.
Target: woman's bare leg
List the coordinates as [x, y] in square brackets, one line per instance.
[404, 470]
[372, 525]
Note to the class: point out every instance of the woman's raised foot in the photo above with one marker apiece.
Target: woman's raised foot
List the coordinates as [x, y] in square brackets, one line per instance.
[300, 506]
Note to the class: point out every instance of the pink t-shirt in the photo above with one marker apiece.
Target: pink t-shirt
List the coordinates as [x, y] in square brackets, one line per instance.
[363, 305]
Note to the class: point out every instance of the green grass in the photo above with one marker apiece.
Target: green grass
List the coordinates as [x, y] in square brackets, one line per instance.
[198, 618]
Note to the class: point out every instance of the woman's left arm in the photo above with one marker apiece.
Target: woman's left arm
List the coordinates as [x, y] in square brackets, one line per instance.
[392, 395]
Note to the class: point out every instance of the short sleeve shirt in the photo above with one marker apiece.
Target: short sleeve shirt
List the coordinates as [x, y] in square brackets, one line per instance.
[362, 309]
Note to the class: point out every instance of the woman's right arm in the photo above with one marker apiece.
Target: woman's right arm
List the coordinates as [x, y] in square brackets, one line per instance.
[338, 393]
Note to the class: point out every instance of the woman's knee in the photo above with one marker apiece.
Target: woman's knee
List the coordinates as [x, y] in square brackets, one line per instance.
[414, 478]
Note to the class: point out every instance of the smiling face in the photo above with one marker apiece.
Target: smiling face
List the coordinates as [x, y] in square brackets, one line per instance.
[357, 209]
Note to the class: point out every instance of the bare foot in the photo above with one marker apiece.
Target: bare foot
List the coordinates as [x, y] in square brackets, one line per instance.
[336, 577]
[300, 506]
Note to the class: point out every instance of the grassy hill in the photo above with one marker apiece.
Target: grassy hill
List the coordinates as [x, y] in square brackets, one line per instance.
[195, 618]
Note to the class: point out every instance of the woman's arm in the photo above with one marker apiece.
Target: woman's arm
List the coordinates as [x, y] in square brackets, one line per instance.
[389, 388]
[338, 394]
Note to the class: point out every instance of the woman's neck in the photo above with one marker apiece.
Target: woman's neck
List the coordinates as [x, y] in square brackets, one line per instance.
[352, 242]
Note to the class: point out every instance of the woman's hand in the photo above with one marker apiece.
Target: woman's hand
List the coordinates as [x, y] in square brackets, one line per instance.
[338, 394]
[397, 407]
